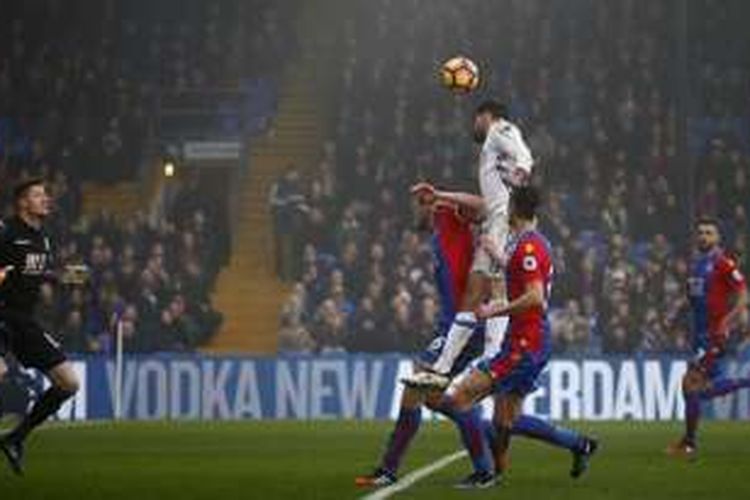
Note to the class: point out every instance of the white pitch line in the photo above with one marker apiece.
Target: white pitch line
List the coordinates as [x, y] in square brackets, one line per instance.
[414, 476]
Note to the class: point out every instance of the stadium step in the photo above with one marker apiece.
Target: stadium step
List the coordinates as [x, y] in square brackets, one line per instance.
[248, 291]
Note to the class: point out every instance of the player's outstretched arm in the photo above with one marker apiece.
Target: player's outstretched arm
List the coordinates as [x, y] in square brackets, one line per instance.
[427, 191]
[471, 201]
[430, 194]
[533, 296]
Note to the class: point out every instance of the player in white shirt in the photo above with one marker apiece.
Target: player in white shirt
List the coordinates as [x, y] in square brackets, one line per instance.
[505, 161]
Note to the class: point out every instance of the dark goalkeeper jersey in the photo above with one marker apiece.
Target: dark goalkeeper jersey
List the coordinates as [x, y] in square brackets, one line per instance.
[28, 250]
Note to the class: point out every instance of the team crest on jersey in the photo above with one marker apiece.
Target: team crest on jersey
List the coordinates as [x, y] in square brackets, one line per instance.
[36, 263]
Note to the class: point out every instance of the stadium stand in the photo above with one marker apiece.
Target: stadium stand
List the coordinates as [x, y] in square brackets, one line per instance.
[606, 112]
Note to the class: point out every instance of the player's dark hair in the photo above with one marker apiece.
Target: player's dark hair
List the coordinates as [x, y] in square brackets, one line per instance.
[495, 108]
[707, 220]
[20, 190]
[525, 201]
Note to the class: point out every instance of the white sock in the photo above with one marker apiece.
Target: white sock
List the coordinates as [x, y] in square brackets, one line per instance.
[459, 334]
[494, 334]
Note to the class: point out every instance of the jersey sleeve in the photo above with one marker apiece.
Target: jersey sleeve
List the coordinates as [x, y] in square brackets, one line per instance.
[531, 263]
[732, 275]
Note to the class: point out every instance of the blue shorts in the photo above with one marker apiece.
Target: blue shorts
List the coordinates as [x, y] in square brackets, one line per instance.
[514, 372]
[473, 350]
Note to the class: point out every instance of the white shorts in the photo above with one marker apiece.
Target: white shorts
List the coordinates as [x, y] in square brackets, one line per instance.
[496, 227]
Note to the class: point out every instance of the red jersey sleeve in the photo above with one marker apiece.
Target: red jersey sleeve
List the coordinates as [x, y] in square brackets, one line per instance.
[731, 275]
[531, 263]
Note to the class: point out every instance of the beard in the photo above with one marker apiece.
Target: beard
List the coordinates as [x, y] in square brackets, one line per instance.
[479, 136]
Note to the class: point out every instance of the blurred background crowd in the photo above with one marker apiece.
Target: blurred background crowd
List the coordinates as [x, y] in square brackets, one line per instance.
[599, 91]
[76, 99]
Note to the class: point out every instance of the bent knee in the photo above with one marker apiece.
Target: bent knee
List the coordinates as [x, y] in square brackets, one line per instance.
[64, 377]
[72, 385]
[432, 400]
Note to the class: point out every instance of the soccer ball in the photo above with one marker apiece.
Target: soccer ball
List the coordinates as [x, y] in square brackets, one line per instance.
[459, 74]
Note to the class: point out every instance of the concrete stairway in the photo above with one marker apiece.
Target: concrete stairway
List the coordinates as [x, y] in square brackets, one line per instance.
[248, 292]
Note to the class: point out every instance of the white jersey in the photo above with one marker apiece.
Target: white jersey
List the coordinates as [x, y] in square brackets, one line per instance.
[505, 160]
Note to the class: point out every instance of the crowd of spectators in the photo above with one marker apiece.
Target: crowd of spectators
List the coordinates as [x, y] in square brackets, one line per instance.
[594, 87]
[79, 82]
[83, 78]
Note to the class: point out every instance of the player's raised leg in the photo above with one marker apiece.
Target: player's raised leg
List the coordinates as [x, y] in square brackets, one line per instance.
[64, 385]
[462, 328]
[485, 282]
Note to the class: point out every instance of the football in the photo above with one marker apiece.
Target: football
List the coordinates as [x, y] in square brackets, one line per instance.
[459, 74]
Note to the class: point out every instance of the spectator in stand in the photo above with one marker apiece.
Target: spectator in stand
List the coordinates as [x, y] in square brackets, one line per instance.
[288, 207]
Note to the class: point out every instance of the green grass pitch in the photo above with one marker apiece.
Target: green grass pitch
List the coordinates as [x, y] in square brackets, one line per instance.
[266, 460]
